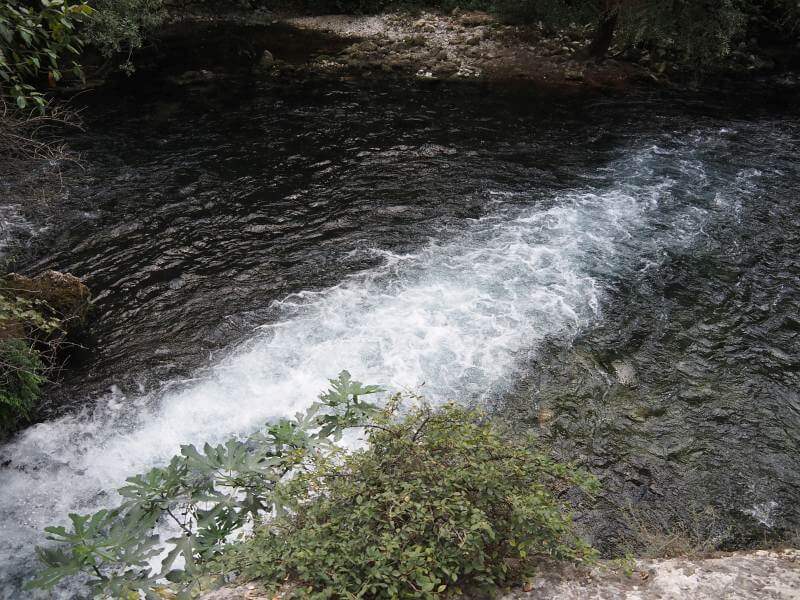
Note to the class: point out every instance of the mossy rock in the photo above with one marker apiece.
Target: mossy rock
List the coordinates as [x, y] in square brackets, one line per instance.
[36, 314]
[66, 295]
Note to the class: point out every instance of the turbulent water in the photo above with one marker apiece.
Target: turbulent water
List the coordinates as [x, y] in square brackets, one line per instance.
[635, 256]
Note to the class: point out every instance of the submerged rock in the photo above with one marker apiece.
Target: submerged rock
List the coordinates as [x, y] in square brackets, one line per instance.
[574, 74]
[193, 77]
[625, 372]
[267, 60]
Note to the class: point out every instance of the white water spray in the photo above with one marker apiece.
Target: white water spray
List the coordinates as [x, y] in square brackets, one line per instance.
[460, 316]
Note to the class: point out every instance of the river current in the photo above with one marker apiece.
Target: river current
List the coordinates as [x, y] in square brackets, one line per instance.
[618, 273]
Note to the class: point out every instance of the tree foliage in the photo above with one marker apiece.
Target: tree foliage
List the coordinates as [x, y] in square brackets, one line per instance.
[21, 376]
[41, 40]
[38, 40]
[121, 26]
[699, 31]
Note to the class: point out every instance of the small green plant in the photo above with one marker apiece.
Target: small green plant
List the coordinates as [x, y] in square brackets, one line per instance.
[438, 502]
[625, 564]
[37, 314]
[37, 40]
[21, 376]
[203, 496]
[22, 370]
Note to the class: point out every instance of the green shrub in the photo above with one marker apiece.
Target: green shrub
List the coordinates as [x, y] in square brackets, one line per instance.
[35, 314]
[438, 501]
[696, 32]
[41, 39]
[21, 371]
[38, 38]
[699, 32]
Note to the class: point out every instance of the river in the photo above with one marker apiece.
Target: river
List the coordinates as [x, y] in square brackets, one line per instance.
[617, 272]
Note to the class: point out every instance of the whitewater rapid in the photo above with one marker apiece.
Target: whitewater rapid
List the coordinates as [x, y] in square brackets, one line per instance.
[456, 320]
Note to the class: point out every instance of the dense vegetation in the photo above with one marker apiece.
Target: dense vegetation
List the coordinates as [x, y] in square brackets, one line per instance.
[42, 40]
[437, 500]
[21, 377]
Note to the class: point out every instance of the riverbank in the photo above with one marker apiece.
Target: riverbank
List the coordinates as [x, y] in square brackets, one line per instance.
[468, 45]
[437, 46]
[734, 576]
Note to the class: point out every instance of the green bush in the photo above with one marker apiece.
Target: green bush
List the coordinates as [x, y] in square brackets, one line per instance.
[696, 32]
[42, 39]
[38, 39]
[699, 32]
[437, 502]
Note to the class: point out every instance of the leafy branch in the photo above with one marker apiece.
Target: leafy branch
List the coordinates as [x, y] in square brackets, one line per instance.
[34, 42]
[208, 495]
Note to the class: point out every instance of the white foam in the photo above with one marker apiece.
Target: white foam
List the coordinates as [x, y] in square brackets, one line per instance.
[460, 316]
[13, 227]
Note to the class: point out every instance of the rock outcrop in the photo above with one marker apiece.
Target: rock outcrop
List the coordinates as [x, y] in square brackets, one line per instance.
[62, 295]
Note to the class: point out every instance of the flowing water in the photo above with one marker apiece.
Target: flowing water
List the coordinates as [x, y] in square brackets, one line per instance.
[620, 273]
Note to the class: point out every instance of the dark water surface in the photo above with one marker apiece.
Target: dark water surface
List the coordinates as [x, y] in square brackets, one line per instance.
[620, 272]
